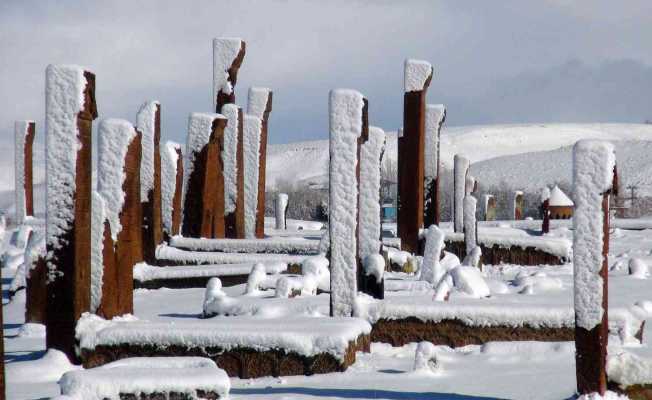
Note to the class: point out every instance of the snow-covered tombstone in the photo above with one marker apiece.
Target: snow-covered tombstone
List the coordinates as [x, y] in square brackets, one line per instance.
[228, 54]
[431, 270]
[470, 224]
[545, 211]
[252, 136]
[118, 183]
[637, 268]
[489, 208]
[23, 188]
[593, 172]
[280, 210]
[369, 221]
[411, 169]
[425, 358]
[148, 123]
[435, 117]
[345, 123]
[171, 187]
[259, 104]
[256, 277]
[460, 173]
[69, 113]
[203, 183]
[517, 206]
[373, 266]
[233, 171]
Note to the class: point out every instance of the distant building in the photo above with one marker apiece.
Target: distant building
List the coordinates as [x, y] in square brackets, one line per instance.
[560, 205]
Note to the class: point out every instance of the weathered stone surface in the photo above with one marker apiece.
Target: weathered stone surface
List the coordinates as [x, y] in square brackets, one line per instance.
[411, 169]
[235, 221]
[28, 168]
[226, 98]
[239, 362]
[204, 202]
[108, 307]
[178, 192]
[591, 345]
[152, 221]
[36, 293]
[128, 247]
[496, 254]
[262, 161]
[69, 294]
[454, 333]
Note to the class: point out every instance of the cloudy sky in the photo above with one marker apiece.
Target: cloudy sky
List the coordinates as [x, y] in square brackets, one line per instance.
[495, 61]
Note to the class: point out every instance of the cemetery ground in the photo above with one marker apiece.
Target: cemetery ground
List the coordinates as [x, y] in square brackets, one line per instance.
[518, 370]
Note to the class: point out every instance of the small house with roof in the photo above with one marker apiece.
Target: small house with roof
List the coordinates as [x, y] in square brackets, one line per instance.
[560, 205]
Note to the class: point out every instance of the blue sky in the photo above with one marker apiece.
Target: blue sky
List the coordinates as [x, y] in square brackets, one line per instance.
[495, 62]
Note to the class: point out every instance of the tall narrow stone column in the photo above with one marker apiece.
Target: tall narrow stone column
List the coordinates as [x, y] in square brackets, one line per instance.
[148, 122]
[203, 198]
[411, 154]
[228, 54]
[593, 171]
[233, 161]
[260, 105]
[171, 187]
[346, 125]
[23, 188]
[118, 183]
[435, 117]
[70, 111]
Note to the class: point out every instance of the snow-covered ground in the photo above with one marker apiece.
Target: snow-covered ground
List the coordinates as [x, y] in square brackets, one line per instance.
[515, 370]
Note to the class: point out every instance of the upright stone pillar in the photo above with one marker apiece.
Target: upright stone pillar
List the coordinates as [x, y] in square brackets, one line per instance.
[518, 205]
[489, 207]
[545, 210]
[171, 187]
[346, 124]
[460, 174]
[70, 111]
[148, 122]
[593, 167]
[118, 183]
[369, 221]
[411, 148]
[203, 198]
[260, 105]
[233, 161]
[435, 117]
[228, 54]
[470, 224]
[281, 209]
[23, 188]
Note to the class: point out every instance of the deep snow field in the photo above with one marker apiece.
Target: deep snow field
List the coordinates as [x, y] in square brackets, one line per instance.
[497, 370]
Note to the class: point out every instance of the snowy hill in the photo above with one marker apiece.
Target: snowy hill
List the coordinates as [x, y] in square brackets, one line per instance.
[307, 162]
[512, 153]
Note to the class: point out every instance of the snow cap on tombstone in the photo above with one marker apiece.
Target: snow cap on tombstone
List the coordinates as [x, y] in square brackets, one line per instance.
[417, 73]
[593, 165]
[114, 138]
[64, 100]
[346, 111]
[225, 51]
[146, 125]
[257, 101]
